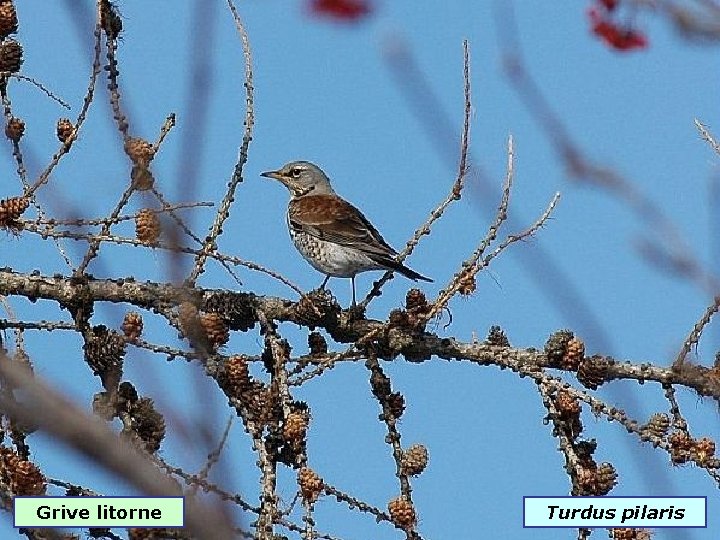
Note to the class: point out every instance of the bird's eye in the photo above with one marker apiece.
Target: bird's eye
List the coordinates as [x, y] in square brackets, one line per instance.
[295, 172]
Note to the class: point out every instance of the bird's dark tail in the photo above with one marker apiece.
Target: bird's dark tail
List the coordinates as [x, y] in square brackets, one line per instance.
[399, 267]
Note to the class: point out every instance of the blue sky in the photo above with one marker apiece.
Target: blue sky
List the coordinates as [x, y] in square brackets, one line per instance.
[328, 93]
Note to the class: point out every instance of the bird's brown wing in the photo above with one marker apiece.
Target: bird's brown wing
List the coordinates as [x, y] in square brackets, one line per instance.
[331, 218]
[328, 217]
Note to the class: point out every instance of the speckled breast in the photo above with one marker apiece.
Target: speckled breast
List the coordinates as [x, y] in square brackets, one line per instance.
[330, 258]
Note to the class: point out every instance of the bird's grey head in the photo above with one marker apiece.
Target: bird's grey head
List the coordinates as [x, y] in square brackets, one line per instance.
[302, 178]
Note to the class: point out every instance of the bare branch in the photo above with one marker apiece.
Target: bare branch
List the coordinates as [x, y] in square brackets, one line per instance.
[210, 243]
[63, 420]
[455, 191]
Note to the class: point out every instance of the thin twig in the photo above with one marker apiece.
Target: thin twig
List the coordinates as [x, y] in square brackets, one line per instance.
[469, 266]
[694, 336]
[193, 479]
[572, 460]
[37, 325]
[322, 365]
[290, 526]
[678, 420]
[74, 488]
[38, 85]
[114, 239]
[214, 456]
[455, 191]
[279, 372]
[579, 166]
[380, 385]
[530, 231]
[121, 119]
[94, 247]
[210, 243]
[353, 502]
[52, 222]
[180, 223]
[80, 120]
[166, 127]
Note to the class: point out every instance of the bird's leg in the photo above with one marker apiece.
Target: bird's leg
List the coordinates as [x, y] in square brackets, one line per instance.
[322, 287]
[355, 312]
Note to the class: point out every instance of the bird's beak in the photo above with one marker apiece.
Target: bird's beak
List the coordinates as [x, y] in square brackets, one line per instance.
[272, 174]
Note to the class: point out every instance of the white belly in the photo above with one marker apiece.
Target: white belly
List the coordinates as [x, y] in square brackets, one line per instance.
[332, 259]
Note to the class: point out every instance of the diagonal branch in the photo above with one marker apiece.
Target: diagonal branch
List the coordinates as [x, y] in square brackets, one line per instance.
[210, 243]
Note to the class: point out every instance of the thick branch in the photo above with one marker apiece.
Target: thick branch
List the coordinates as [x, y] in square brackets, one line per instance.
[389, 340]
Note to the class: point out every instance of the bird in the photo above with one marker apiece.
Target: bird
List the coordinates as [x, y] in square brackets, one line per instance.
[329, 232]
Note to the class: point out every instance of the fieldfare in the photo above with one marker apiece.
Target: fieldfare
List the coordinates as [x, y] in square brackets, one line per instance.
[329, 232]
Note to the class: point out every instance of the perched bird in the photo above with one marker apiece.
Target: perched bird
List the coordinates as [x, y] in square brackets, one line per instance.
[329, 232]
